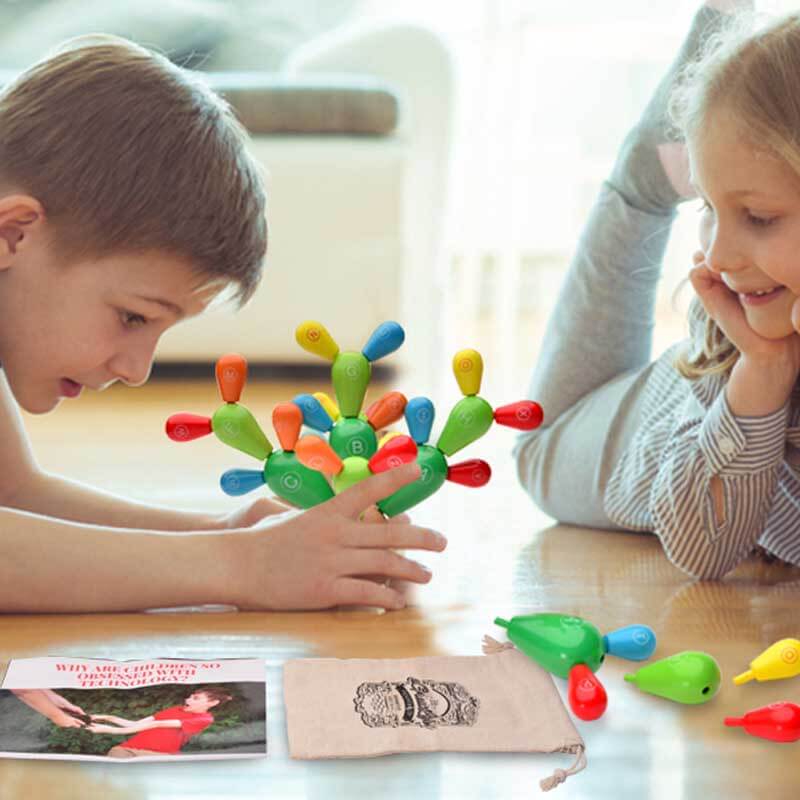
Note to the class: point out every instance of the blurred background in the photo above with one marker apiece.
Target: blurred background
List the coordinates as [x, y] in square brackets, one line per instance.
[430, 162]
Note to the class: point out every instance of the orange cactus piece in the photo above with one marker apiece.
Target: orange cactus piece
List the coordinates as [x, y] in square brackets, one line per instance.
[287, 419]
[231, 376]
[316, 453]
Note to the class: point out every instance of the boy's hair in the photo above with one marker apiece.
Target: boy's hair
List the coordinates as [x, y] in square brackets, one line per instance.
[756, 76]
[214, 693]
[129, 153]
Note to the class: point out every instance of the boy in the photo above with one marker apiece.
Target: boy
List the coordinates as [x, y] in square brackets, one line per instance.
[166, 731]
[128, 201]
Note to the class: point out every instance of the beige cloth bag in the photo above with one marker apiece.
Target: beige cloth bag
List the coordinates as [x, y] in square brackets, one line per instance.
[501, 701]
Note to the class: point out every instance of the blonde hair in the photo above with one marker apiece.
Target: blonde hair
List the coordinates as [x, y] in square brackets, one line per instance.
[756, 75]
[128, 153]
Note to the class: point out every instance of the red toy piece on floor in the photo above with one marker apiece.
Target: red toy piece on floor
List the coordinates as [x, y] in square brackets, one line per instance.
[779, 722]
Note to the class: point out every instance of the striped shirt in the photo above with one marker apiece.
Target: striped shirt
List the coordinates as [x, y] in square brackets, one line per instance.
[687, 436]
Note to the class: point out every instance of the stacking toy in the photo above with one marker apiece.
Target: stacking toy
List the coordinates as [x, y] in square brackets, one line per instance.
[234, 425]
[352, 434]
[573, 649]
[780, 660]
[691, 677]
[304, 471]
[779, 722]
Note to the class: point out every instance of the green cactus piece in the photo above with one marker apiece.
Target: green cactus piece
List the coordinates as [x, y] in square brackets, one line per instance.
[470, 418]
[292, 481]
[236, 426]
[350, 375]
[434, 473]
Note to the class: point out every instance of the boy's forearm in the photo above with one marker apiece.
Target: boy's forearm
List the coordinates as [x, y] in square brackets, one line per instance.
[54, 496]
[50, 565]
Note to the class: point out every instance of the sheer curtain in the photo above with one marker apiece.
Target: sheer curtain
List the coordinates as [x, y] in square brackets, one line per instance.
[546, 92]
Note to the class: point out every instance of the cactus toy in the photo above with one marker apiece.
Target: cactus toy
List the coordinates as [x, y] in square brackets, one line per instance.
[302, 471]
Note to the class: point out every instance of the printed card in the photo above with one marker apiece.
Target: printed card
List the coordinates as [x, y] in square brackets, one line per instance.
[156, 710]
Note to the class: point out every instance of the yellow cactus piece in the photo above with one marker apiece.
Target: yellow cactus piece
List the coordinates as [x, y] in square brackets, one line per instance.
[328, 404]
[468, 369]
[314, 337]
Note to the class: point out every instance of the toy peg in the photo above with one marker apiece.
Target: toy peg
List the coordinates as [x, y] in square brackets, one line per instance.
[231, 371]
[328, 404]
[385, 339]
[474, 473]
[398, 450]
[419, 418]
[287, 420]
[386, 410]
[780, 660]
[691, 677]
[524, 415]
[185, 427]
[236, 426]
[586, 695]
[314, 337]
[316, 453]
[314, 415]
[350, 375]
[236, 482]
[469, 419]
[633, 642]
[779, 722]
[468, 369]
[556, 641]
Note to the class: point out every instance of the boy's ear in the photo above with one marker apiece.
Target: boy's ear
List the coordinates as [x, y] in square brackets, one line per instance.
[18, 213]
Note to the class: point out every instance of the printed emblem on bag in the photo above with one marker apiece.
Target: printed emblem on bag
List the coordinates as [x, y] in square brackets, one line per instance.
[424, 703]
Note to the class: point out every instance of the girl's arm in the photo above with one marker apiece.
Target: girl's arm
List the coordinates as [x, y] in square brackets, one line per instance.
[146, 724]
[714, 487]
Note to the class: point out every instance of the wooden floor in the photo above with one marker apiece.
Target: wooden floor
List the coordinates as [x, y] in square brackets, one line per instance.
[504, 558]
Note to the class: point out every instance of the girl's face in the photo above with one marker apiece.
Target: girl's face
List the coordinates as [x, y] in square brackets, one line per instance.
[88, 324]
[750, 224]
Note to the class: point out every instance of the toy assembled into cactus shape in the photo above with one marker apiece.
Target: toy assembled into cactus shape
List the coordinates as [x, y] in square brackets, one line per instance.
[573, 649]
[352, 435]
[234, 425]
[298, 472]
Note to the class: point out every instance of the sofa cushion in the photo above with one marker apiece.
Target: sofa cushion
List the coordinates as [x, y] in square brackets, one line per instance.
[267, 103]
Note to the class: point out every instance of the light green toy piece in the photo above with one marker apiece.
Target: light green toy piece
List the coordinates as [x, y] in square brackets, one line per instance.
[690, 677]
[471, 416]
[234, 425]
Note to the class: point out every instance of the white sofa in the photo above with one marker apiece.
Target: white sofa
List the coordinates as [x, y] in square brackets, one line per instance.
[355, 221]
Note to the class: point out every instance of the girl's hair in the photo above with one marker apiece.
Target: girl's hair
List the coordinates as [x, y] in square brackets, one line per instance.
[128, 153]
[757, 77]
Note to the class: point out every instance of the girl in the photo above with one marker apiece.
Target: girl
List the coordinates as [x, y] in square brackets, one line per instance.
[699, 446]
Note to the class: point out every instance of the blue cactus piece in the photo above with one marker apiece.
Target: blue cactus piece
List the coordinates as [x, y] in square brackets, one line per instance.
[236, 482]
[419, 418]
[385, 339]
[314, 414]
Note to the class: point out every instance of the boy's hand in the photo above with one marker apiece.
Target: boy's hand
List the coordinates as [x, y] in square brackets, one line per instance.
[318, 558]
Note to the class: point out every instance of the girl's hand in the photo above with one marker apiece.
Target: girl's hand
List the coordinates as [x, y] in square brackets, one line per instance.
[320, 557]
[723, 306]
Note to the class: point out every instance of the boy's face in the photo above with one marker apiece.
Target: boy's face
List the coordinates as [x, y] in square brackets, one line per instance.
[89, 324]
[199, 702]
